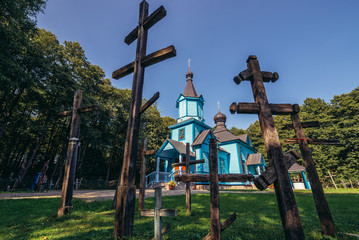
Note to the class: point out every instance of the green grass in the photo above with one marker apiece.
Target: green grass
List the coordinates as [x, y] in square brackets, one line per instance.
[257, 218]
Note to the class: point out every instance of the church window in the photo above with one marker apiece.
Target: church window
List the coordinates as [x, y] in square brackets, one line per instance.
[181, 134]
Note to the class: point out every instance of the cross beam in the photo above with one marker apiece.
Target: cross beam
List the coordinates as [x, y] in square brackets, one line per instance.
[190, 163]
[158, 213]
[247, 75]
[70, 165]
[313, 141]
[126, 194]
[233, 177]
[292, 225]
[253, 108]
[269, 176]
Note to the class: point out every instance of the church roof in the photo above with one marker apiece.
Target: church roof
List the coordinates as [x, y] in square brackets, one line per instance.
[190, 120]
[201, 137]
[296, 168]
[254, 159]
[189, 90]
[224, 135]
[180, 147]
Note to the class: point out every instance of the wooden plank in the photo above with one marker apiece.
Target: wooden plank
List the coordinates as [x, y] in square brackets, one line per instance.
[153, 99]
[157, 215]
[126, 197]
[188, 184]
[163, 212]
[224, 225]
[155, 17]
[79, 110]
[269, 176]
[150, 152]
[335, 142]
[247, 75]
[190, 163]
[234, 177]
[164, 230]
[146, 61]
[292, 225]
[141, 197]
[214, 191]
[71, 157]
[331, 177]
[158, 56]
[253, 108]
[308, 124]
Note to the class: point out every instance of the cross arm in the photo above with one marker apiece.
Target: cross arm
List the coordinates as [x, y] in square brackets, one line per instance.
[247, 75]
[269, 176]
[149, 102]
[154, 18]
[222, 177]
[314, 141]
[224, 225]
[304, 125]
[163, 212]
[79, 110]
[253, 108]
[190, 163]
[150, 152]
[148, 60]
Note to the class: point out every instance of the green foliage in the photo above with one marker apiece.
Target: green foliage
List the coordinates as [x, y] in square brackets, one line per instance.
[257, 218]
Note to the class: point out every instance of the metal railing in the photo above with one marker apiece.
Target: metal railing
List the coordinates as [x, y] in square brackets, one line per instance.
[163, 177]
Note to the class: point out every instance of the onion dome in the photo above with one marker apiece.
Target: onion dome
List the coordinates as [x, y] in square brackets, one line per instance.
[220, 117]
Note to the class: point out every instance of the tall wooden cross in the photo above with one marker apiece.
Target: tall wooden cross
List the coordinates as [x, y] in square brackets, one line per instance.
[71, 157]
[320, 200]
[188, 184]
[214, 178]
[126, 194]
[285, 197]
[158, 213]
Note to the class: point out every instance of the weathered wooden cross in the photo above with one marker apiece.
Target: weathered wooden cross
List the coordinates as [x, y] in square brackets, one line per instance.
[320, 200]
[214, 178]
[285, 197]
[126, 194]
[158, 213]
[188, 184]
[144, 153]
[71, 157]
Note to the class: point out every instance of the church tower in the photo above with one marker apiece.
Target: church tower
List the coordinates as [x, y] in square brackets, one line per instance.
[189, 104]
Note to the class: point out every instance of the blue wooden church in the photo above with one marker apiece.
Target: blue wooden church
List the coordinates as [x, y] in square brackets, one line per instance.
[235, 153]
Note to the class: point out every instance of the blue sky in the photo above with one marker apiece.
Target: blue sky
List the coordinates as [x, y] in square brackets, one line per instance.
[313, 45]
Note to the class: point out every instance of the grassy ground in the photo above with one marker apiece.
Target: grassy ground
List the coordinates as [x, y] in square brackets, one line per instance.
[257, 218]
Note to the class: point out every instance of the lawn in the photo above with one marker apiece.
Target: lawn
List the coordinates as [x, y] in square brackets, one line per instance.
[257, 218]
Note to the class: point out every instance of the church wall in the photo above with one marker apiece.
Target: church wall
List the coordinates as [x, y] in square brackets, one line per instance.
[192, 108]
[234, 163]
[182, 109]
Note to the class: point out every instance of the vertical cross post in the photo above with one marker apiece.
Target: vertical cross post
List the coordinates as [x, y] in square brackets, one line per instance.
[214, 191]
[320, 200]
[141, 198]
[285, 197]
[188, 184]
[158, 220]
[126, 194]
[70, 165]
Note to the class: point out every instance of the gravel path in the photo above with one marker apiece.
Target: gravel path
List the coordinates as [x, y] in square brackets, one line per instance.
[103, 195]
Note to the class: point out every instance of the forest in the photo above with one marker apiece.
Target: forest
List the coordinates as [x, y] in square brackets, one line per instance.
[38, 78]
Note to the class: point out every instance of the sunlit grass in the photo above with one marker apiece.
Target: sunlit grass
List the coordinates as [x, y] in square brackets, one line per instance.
[257, 218]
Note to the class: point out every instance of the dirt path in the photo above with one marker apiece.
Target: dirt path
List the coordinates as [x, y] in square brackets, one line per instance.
[103, 195]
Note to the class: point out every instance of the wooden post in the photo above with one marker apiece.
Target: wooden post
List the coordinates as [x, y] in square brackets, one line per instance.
[351, 184]
[214, 191]
[224, 225]
[345, 186]
[320, 200]
[158, 213]
[331, 177]
[188, 184]
[292, 225]
[126, 194]
[141, 198]
[70, 165]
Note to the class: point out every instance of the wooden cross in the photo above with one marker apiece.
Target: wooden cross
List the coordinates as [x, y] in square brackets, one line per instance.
[71, 157]
[126, 194]
[331, 177]
[158, 213]
[291, 223]
[214, 178]
[320, 200]
[188, 184]
[144, 153]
